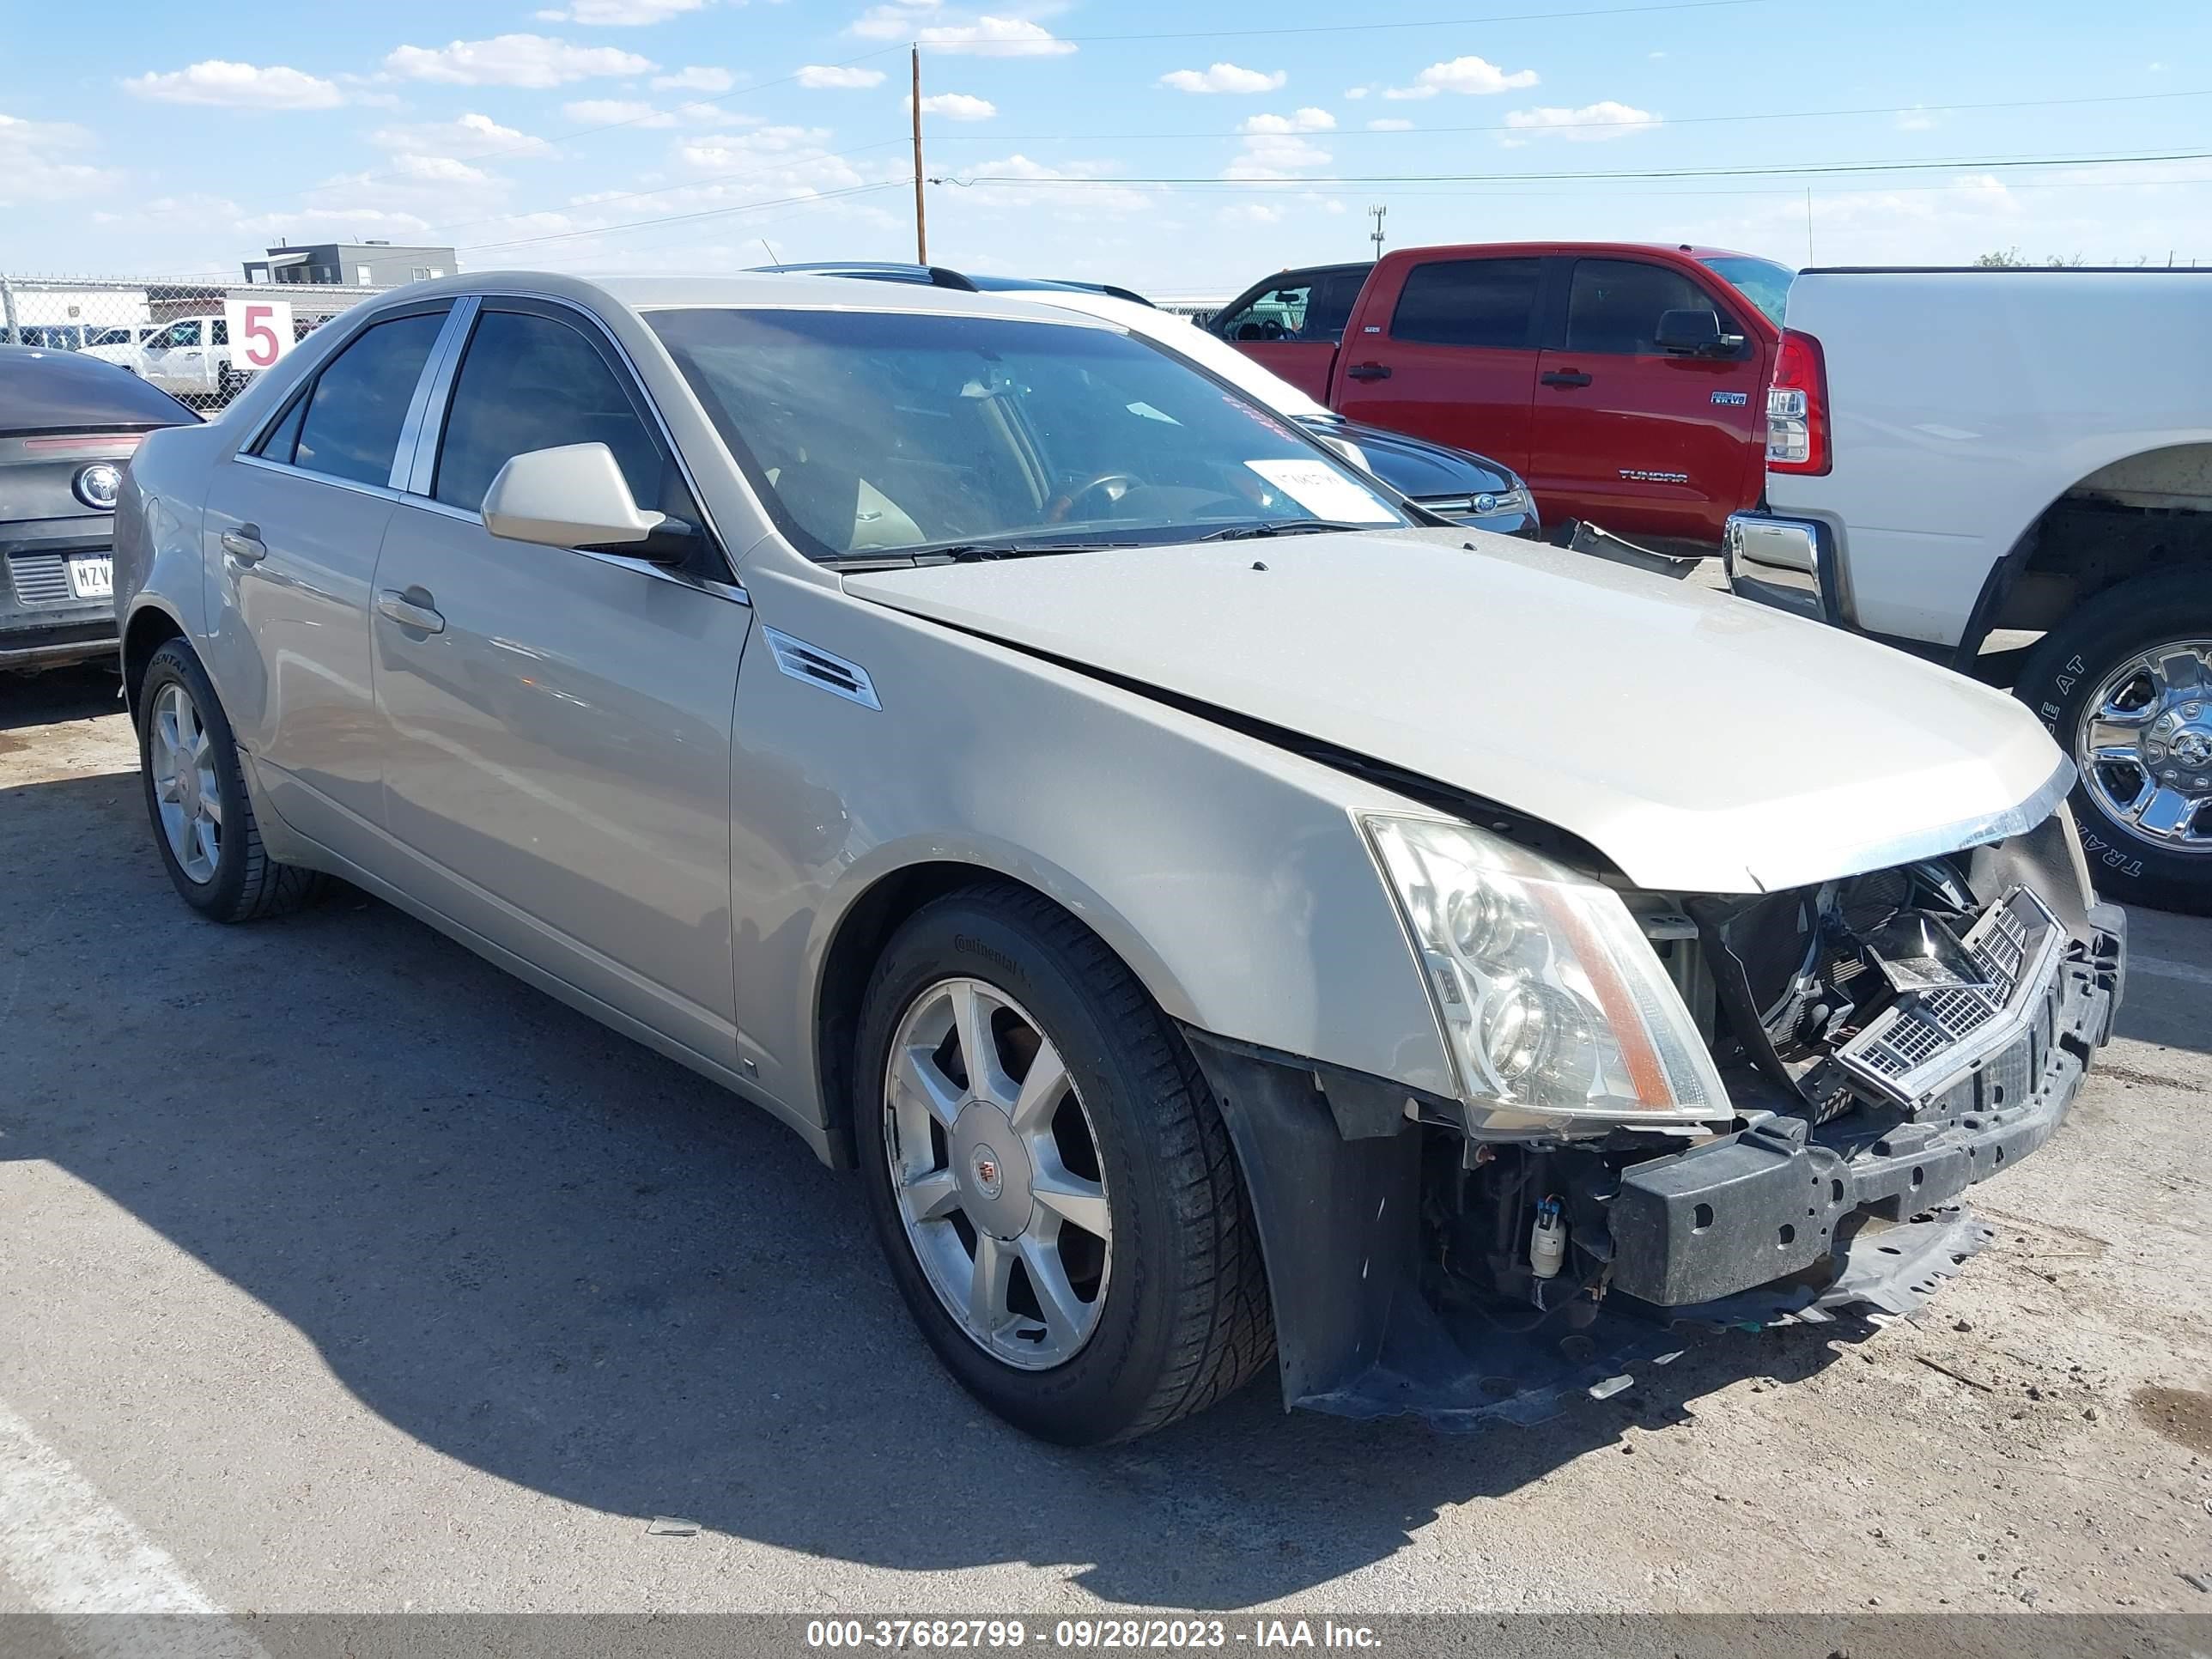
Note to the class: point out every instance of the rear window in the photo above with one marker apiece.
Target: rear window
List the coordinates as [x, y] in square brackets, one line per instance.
[1762, 282]
[1468, 302]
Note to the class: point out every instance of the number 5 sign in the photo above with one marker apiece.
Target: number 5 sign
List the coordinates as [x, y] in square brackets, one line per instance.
[260, 331]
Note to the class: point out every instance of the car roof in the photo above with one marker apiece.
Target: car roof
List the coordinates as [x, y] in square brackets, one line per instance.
[760, 289]
[44, 391]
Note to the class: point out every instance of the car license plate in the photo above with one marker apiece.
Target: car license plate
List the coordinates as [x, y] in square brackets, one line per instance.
[92, 579]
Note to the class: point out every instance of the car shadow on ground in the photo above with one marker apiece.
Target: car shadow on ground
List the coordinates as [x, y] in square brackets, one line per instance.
[59, 693]
[538, 1248]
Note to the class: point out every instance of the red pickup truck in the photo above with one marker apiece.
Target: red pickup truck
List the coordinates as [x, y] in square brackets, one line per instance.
[1626, 383]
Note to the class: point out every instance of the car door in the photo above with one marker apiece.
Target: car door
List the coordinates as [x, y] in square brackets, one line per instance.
[1290, 324]
[175, 358]
[292, 522]
[1639, 441]
[1456, 359]
[554, 725]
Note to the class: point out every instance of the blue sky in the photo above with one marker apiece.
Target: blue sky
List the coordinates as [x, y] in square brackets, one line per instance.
[542, 135]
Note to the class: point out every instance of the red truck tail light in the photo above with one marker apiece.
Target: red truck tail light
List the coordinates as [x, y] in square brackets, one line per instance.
[1797, 407]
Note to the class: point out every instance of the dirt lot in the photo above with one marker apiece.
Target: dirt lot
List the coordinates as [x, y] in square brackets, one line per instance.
[339, 1271]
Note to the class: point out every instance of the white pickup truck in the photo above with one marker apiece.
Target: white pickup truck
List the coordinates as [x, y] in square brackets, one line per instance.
[1955, 454]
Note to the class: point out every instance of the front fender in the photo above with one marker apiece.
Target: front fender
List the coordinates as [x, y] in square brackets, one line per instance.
[1231, 876]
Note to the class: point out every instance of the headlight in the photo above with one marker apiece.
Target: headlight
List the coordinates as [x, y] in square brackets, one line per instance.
[1552, 1002]
[98, 484]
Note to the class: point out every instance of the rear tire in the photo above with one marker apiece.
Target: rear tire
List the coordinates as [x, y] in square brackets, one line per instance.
[1176, 1314]
[2078, 680]
[195, 800]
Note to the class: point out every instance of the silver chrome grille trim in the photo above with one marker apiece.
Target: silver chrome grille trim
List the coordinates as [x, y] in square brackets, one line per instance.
[1926, 1040]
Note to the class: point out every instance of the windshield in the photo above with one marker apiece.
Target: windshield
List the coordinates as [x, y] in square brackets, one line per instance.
[870, 433]
[1762, 282]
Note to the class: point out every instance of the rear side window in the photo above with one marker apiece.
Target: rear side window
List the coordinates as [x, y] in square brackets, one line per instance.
[1616, 304]
[1469, 302]
[529, 382]
[350, 426]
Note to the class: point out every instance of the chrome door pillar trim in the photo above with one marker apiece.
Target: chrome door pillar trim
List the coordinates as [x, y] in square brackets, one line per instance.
[416, 460]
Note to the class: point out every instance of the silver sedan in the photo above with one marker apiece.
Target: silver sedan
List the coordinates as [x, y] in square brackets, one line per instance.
[1225, 913]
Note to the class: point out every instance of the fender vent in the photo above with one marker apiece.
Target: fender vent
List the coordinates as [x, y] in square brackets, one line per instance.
[820, 668]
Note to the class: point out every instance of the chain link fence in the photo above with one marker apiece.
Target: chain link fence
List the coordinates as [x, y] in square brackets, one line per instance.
[175, 333]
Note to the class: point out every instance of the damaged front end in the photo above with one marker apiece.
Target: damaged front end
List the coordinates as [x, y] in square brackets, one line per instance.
[1883, 1041]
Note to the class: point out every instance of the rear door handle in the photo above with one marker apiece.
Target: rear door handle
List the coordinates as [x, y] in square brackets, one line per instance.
[245, 545]
[410, 610]
[1367, 372]
[1567, 376]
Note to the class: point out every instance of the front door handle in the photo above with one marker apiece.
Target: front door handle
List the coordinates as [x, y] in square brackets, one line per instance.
[410, 610]
[1567, 376]
[1367, 372]
[245, 545]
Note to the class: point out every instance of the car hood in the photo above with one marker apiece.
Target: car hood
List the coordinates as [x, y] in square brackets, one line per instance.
[1701, 742]
[1419, 468]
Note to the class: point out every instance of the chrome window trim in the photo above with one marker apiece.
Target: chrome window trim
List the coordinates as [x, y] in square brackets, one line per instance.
[410, 468]
[594, 328]
[384, 492]
[275, 418]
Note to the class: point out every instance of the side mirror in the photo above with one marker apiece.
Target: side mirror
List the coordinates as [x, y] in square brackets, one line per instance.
[571, 497]
[1694, 333]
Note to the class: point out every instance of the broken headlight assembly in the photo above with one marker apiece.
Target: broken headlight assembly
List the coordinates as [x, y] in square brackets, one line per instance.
[1556, 1011]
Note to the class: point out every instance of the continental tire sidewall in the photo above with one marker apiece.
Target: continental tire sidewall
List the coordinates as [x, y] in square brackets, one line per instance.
[223, 895]
[1104, 1389]
[2060, 676]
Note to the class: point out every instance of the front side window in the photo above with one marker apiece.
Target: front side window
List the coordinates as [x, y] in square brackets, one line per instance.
[888, 433]
[529, 382]
[178, 334]
[1274, 314]
[1615, 306]
[1468, 302]
[351, 420]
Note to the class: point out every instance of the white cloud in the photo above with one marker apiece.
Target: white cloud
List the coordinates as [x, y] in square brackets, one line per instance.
[998, 37]
[1470, 76]
[619, 14]
[1915, 120]
[1252, 213]
[237, 86]
[1223, 77]
[1306, 120]
[714, 115]
[1355, 91]
[1076, 199]
[439, 170]
[822, 75]
[1390, 124]
[34, 165]
[699, 77]
[474, 134]
[345, 221]
[1590, 124]
[956, 106]
[513, 60]
[616, 112]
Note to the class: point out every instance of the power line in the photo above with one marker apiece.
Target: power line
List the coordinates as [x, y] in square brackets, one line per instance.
[1586, 126]
[1810, 170]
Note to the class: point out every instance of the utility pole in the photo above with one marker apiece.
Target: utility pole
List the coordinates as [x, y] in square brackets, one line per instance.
[1375, 236]
[920, 212]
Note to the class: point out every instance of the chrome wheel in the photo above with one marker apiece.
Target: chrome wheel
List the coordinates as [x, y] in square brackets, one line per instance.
[996, 1170]
[2145, 745]
[186, 792]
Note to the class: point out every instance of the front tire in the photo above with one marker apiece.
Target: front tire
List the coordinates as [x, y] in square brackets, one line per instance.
[2124, 684]
[196, 799]
[1049, 1177]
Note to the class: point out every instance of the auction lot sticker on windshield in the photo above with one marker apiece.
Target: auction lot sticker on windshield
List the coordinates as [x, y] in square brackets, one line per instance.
[1325, 492]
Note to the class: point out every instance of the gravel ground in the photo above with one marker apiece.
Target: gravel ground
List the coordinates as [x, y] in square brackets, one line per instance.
[344, 1274]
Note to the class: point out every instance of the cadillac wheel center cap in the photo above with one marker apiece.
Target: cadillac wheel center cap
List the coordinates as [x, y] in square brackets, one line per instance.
[989, 1177]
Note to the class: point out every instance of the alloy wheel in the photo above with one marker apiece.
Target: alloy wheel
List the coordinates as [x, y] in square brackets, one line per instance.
[995, 1167]
[185, 792]
[2145, 745]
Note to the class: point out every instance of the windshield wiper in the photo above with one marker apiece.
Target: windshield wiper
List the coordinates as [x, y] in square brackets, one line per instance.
[1238, 532]
[972, 552]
